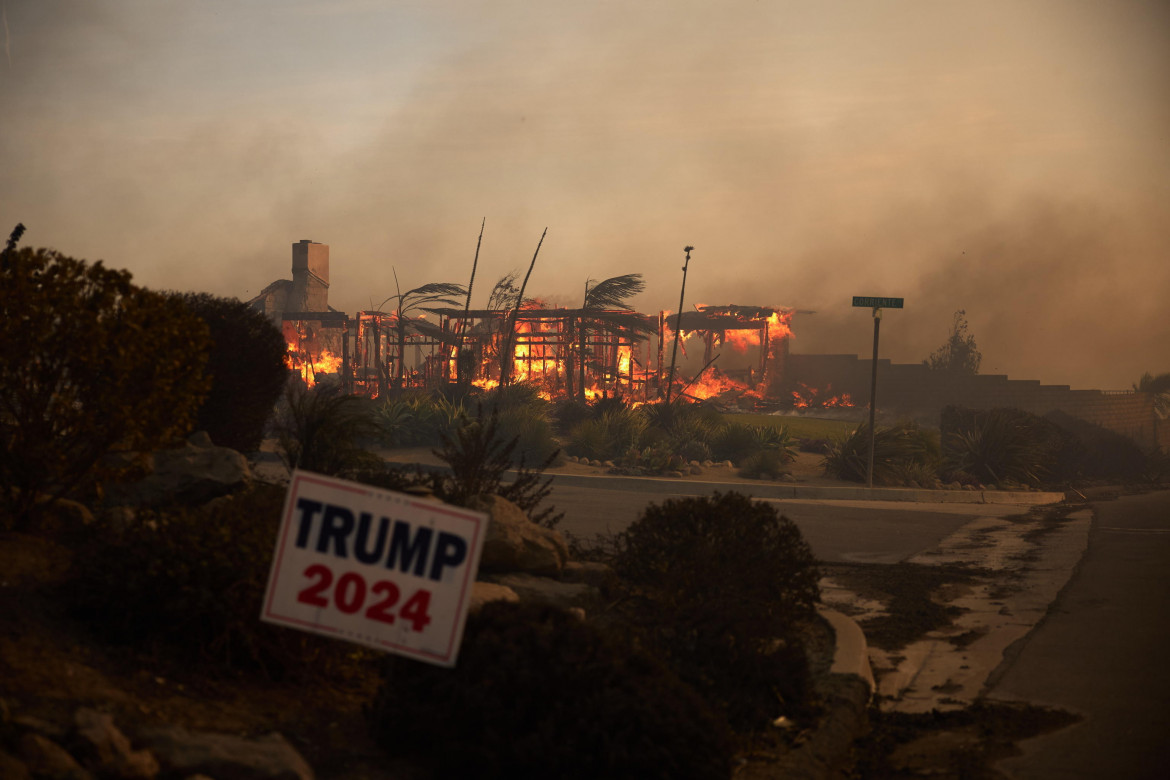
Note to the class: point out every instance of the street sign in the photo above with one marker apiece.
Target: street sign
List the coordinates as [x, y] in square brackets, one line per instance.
[374, 567]
[877, 303]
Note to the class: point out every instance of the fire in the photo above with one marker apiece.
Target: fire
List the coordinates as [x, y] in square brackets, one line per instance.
[814, 398]
[303, 362]
[300, 356]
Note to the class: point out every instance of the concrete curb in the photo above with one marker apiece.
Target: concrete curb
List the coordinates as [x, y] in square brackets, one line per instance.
[846, 691]
[674, 486]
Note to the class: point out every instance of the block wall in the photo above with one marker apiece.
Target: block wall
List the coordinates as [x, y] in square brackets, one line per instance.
[917, 391]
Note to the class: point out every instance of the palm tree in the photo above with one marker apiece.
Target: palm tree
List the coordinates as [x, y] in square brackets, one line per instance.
[426, 298]
[1159, 387]
[605, 303]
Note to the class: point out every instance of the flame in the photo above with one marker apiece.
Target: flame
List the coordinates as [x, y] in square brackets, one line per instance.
[815, 398]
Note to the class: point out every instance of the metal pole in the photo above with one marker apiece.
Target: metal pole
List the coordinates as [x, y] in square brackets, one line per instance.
[877, 322]
[678, 322]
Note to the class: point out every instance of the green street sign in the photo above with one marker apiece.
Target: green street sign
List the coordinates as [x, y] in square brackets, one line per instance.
[877, 303]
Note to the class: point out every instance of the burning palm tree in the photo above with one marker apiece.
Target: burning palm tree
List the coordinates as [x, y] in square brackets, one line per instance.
[606, 303]
[425, 298]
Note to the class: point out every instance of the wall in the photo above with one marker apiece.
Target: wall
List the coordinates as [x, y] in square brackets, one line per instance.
[916, 391]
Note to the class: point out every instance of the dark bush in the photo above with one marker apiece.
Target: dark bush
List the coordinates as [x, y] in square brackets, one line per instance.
[322, 430]
[246, 364]
[765, 464]
[898, 451]
[90, 363]
[999, 446]
[479, 456]
[188, 583]
[718, 586]
[540, 693]
[1096, 453]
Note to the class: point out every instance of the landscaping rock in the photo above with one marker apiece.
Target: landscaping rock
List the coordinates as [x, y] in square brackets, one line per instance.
[515, 543]
[542, 590]
[225, 757]
[487, 592]
[108, 750]
[193, 475]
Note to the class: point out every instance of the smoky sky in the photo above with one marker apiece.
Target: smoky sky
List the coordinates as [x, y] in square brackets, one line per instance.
[1007, 159]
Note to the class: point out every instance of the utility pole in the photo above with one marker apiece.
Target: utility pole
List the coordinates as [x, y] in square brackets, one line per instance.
[678, 323]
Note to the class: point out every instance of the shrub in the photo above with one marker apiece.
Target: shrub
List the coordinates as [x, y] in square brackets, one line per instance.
[319, 430]
[246, 363]
[898, 450]
[190, 582]
[736, 441]
[478, 457]
[718, 585]
[1093, 452]
[540, 693]
[765, 464]
[90, 363]
[415, 419]
[609, 436]
[1000, 445]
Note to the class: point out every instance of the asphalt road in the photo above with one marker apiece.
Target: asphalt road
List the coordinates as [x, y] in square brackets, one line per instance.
[1103, 651]
[837, 531]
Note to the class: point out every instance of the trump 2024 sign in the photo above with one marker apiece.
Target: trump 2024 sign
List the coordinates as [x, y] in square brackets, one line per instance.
[374, 567]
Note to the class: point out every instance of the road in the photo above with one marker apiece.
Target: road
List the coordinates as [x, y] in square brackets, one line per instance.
[1103, 651]
[837, 531]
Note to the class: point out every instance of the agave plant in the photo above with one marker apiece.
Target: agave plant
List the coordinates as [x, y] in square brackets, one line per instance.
[894, 450]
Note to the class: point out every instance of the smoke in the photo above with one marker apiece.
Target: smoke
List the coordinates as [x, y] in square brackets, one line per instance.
[1003, 159]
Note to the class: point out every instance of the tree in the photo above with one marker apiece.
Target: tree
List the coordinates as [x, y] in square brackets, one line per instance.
[425, 298]
[958, 353]
[246, 364]
[1159, 387]
[90, 363]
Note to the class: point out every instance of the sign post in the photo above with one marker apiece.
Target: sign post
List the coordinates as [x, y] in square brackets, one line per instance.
[877, 304]
[374, 567]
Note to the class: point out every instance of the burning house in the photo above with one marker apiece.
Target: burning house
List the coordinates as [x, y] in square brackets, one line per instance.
[736, 352]
[314, 331]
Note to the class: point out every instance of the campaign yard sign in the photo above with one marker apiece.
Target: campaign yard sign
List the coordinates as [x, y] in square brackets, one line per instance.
[375, 567]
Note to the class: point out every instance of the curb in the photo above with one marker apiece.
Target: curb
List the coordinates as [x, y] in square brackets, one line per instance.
[673, 486]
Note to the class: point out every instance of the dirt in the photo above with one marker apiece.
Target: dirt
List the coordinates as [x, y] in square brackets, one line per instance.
[50, 665]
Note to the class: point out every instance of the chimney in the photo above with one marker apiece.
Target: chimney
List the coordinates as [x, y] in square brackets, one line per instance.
[310, 269]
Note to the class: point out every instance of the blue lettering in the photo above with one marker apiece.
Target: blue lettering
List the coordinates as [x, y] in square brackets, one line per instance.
[307, 509]
[337, 525]
[361, 545]
[404, 551]
[450, 551]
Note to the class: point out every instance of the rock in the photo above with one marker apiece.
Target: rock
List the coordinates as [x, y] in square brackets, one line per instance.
[487, 592]
[515, 543]
[12, 768]
[695, 469]
[109, 749]
[193, 474]
[184, 753]
[590, 572]
[45, 758]
[543, 590]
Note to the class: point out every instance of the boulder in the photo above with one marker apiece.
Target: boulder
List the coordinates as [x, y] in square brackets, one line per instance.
[185, 753]
[193, 474]
[108, 750]
[590, 572]
[515, 543]
[45, 758]
[543, 590]
[486, 592]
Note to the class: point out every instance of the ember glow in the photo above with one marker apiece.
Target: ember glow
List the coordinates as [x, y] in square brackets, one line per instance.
[819, 398]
